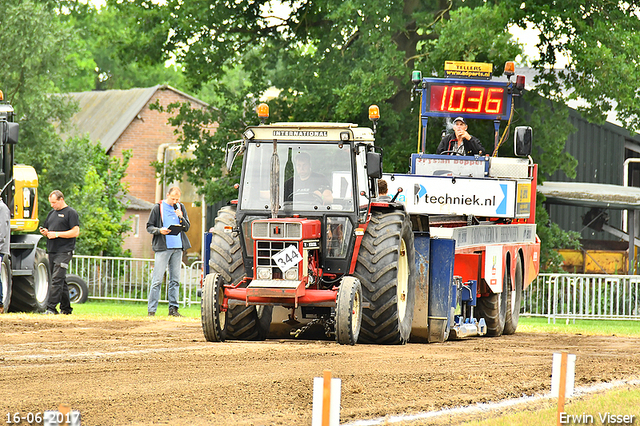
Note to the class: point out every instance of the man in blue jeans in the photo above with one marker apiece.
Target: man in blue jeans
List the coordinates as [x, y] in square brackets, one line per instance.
[5, 239]
[168, 246]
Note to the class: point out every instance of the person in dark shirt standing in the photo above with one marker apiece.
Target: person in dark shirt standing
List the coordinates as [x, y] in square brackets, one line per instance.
[61, 227]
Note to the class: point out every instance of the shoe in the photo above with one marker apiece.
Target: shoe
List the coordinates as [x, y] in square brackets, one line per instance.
[151, 314]
[50, 312]
[66, 313]
[173, 312]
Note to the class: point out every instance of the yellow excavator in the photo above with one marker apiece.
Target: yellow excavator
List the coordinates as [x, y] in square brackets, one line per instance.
[25, 272]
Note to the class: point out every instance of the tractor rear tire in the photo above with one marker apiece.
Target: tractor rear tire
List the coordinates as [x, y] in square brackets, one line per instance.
[348, 311]
[514, 299]
[31, 293]
[387, 271]
[6, 282]
[214, 321]
[243, 322]
[493, 308]
[78, 290]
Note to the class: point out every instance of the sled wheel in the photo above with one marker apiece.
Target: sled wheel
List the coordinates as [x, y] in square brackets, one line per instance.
[348, 311]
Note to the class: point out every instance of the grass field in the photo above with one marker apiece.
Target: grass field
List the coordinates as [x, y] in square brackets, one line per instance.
[94, 308]
[527, 324]
[615, 402]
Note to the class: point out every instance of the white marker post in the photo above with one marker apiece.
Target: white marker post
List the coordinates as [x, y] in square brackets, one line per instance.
[326, 400]
[563, 375]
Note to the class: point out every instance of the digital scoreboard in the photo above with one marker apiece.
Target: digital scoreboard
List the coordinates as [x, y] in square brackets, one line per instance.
[467, 98]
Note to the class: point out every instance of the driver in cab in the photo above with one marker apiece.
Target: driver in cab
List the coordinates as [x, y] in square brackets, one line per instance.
[307, 185]
[460, 142]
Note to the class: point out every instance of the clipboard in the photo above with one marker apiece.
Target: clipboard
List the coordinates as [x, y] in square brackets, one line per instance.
[175, 229]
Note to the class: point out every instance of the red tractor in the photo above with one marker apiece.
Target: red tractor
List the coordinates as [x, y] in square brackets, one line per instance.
[316, 247]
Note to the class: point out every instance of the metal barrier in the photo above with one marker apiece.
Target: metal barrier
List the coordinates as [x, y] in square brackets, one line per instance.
[124, 278]
[565, 296]
[577, 296]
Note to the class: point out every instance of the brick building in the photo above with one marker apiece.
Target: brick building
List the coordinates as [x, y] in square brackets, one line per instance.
[122, 120]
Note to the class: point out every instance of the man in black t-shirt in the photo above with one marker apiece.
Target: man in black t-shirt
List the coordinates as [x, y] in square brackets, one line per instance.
[307, 183]
[61, 227]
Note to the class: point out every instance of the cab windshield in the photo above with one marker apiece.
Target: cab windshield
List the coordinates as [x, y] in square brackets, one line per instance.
[314, 177]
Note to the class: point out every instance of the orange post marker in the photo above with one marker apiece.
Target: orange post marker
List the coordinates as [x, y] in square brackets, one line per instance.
[563, 383]
[326, 397]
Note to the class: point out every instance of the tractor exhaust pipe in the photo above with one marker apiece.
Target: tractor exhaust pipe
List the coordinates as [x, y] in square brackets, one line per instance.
[275, 180]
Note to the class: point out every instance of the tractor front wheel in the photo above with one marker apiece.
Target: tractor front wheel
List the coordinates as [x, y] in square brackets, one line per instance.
[214, 320]
[243, 322]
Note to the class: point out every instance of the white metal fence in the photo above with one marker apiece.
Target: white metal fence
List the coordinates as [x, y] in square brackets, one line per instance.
[578, 296]
[124, 278]
[554, 296]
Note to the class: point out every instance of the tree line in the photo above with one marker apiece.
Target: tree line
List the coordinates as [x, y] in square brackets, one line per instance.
[329, 59]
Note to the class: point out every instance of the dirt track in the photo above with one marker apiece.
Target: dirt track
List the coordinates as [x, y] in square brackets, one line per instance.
[161, 371]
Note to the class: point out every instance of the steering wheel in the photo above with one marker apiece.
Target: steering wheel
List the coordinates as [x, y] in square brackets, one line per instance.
[449, 152]
[310, 197]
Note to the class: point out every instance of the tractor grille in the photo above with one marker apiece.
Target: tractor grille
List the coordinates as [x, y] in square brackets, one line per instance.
[265, 251]
[277, 230]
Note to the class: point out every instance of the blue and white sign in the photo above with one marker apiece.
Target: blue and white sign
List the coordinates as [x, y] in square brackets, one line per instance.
[454, 195]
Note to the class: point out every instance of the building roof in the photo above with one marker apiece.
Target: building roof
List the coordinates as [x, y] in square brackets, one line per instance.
[134, 203]
[591, 195]
[105, 115]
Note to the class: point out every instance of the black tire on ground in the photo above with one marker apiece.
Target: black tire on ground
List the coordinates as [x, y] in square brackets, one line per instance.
[78, 290]
[514, 299]
[348, 311]
[6, 282]
[387, 271]
[243, 322]
[31, 293]
[493, 308]
[214, 321]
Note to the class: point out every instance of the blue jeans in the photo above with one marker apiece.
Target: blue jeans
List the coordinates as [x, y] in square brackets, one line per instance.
[1, 295]
[173, 259]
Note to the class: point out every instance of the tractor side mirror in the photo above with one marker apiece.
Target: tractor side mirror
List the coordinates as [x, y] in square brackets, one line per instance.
[10, 133]
[522, 141]
[374, 165]
[233, 148]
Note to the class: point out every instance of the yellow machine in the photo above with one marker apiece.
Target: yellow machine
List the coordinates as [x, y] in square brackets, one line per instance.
[25, 272]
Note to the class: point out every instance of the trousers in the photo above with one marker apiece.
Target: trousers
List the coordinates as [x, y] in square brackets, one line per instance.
[171, 259]
[59, 291]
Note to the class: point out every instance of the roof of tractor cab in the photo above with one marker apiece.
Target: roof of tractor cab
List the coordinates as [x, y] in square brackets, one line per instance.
[312, 132]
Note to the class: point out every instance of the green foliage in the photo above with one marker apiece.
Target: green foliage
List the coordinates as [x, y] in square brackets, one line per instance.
[92, 184]
[42, 55]
[332, 59]
[552, 238]
[33, 48]
[602, 43]
[114, 50]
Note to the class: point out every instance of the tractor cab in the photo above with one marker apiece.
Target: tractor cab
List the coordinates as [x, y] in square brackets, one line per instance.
[322, 174]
